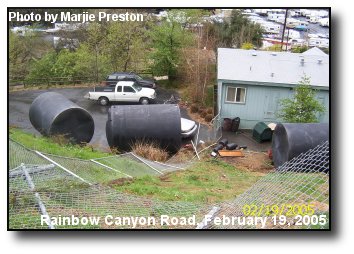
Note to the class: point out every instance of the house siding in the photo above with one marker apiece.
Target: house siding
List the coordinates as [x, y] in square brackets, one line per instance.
[262, 103]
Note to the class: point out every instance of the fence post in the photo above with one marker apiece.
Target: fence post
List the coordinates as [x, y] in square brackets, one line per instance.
[38, 198]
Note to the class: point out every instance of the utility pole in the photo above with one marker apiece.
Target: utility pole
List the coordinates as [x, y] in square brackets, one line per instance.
[287, 41]
[284, 27]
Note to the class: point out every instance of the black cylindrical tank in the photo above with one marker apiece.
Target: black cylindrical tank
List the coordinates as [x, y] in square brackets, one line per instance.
[160, 124]
[231, 146]
[292, 139]
[218, 147]
[53, 114]
[223, 142]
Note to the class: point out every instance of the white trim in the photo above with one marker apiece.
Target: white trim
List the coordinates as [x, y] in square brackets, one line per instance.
[234, 101]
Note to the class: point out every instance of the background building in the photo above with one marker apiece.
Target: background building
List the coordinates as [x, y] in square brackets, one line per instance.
[251, 83]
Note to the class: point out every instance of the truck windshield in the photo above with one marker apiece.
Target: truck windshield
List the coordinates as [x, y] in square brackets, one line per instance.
[136, 87]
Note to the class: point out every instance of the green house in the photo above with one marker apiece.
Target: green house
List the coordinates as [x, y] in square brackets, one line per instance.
[251, 82]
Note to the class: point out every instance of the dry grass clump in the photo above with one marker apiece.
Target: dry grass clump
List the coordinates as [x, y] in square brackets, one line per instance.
[150, 151]
[60, 139]
[203, 114]
[194, 108]
[208, 118]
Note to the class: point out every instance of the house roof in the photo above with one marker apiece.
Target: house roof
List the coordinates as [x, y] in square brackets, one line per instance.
[273, 67]
[314, 52]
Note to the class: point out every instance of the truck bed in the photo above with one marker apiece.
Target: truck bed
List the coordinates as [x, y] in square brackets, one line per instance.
[104, 89]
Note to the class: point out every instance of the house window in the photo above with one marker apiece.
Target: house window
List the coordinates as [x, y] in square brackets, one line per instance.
[236, 94]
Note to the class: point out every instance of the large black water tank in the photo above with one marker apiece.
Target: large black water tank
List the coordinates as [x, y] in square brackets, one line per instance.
[161, 124]
[292, 139]
[53, 114]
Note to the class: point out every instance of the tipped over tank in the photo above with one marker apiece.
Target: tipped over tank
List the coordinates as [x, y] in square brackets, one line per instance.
[53, 114]
[160, 124]
[292, 139]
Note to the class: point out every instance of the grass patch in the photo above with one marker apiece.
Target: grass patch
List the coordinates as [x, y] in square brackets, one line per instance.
[47, 145]
[207, 181]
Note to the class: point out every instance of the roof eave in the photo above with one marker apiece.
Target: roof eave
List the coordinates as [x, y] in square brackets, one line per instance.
[256, 83]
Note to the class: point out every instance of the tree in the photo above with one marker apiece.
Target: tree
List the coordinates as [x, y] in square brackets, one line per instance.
[125, 45]
[96, 34]
[168, 39]
[23, 50]
[238, 31]
[43, 68]
[303, 107]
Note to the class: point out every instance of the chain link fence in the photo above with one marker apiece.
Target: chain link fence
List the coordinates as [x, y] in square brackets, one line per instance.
[43, 186]
[288, 191]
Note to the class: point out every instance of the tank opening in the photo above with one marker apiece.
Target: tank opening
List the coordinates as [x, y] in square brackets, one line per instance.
[75, 124]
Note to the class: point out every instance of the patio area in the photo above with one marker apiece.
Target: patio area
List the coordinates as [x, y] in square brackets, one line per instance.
[244, 138]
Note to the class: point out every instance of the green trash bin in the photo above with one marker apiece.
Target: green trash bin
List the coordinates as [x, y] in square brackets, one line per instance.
[262, 133]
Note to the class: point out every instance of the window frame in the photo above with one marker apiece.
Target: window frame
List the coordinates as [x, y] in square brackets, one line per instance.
[121, 90]
[234, 101]
[134, 91]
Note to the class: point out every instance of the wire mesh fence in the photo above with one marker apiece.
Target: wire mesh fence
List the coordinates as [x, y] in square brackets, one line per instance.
[298, 187]
[74, 188]
[50, 191]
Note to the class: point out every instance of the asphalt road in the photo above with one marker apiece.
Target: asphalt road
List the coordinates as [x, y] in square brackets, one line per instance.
[20, 102]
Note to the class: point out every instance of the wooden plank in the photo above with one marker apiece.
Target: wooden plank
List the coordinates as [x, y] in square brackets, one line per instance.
[232, 153]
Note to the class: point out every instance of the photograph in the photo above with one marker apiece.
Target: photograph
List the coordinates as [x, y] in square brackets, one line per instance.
[169, 119]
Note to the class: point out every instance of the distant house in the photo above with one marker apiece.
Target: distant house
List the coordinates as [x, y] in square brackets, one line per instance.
[251, 83]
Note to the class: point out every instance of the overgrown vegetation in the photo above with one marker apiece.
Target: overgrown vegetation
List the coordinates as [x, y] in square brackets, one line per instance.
[207, 181]
[54, 145]
[167, 40]
[181, 45]
[303, 107]
[238, 31]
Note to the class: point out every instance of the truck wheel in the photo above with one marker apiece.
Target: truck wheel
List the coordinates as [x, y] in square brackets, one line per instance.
[103, 101]
[144, 101]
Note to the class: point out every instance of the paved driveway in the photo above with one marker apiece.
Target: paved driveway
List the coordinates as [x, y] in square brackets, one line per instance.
[20, 102]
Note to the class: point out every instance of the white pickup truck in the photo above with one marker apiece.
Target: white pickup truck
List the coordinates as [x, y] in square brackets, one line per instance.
[123, 91]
